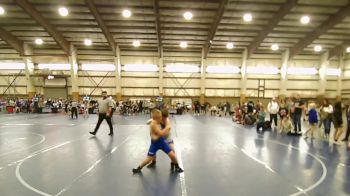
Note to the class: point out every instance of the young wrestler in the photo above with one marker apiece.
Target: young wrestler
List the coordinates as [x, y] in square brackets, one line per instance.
[166, 126]
[158, 142]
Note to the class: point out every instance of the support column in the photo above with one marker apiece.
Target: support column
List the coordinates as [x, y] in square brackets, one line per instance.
[323, 80]
[29, 70]
[117, 63]
[203, 66]
[74, 73]
[242, 97]
[341, 76]
[284, 77]
[161, 72]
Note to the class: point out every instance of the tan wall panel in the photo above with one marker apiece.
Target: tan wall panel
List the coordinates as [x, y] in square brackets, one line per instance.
[223, 62]
[138, 60]
[303, 85]
[222, 83]
[178, 82]
[140, 82]
[181, 92]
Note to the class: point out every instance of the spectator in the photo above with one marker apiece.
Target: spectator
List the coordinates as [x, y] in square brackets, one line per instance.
[297, 110]
[273, 109]
[261, 120]
[348, 123]
[337, 120]
[326, 112]
[312, 121]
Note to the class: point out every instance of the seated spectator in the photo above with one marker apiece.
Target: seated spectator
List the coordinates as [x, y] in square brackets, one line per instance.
[261, 120]
[286, 125]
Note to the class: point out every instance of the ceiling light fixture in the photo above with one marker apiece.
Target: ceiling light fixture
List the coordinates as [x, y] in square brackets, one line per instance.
[248, 17]
[2, 11]
[229, 45]
[87, 42]
[274, 47]
[348, 49]
[63, 11]
[39, 41]
[188, 15]
[318, 48]
[126, 13]
[136, 43]
[305, 20]
[183, 44]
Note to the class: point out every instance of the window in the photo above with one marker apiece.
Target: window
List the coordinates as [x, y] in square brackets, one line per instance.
[263, 70]
[333, 72]
[140, 68]
[12, 66]
[223, 69]
[182, 68]
[302, 71]
[54, 66]
[98, 67]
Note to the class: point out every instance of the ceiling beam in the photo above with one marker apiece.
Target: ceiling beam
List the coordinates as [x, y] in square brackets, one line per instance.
[338, 50]
[92, 7]
[12, 41]
[31, 11]
[214, 26]
[159, 36]
[320, 30]
[277, 17]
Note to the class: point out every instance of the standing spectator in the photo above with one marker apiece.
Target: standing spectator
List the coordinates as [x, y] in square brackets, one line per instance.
[326, 112]
[337, 120]
[74, 109]
[312, 121]
[197, 108]
[228, 108]
[348, 123]
[297, 111]
[273, 109]
[232, 109]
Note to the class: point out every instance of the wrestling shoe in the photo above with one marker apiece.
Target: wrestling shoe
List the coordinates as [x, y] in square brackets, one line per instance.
[136, 170]
[178, 169]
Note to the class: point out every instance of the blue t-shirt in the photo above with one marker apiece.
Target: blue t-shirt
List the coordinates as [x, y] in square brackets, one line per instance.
[313, 116]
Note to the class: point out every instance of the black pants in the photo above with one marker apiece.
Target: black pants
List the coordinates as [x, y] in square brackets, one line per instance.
[74, 111]
[197, 111]
[273, 117]
[101, 117]
[297, 122]
[347, 131]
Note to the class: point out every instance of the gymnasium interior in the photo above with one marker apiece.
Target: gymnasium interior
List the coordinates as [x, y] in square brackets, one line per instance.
[251, 97]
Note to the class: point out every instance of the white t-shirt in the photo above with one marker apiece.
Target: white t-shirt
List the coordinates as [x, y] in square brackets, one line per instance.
[273, 107]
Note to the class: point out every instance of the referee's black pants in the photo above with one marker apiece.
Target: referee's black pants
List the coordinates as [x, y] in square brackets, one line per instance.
[101, 117]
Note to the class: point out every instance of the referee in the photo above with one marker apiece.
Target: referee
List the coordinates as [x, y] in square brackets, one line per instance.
[104, 112]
